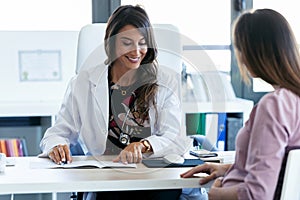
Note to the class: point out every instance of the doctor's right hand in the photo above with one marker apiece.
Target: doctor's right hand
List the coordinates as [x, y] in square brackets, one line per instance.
[60, 154]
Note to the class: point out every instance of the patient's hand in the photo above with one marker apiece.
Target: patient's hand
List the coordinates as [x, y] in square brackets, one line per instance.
[60, 154]
[213, 169]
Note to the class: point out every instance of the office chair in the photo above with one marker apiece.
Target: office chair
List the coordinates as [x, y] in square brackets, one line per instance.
[289, 176]
[90, 49]
[291, 179]
[90, 53]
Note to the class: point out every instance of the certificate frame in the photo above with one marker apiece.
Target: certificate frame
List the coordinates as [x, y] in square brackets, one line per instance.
[40, 65]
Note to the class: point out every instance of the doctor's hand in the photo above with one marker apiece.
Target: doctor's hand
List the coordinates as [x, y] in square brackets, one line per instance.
[214, 170]
[130, 154]
[60, 154]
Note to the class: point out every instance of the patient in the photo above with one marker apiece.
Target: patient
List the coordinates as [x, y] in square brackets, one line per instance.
[265, 48]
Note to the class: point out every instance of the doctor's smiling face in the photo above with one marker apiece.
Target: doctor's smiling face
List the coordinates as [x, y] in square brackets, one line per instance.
[130, 48]
[129, 41]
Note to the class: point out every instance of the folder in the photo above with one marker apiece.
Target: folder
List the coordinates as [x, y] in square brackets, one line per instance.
[221, 141]
[159, 163]
[211, 129]
[195, 123]
[3, 147]
[216, 130]
[13, 147]
[234, 124]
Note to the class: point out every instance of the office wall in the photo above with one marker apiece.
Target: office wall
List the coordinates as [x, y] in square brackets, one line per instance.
[30, 50]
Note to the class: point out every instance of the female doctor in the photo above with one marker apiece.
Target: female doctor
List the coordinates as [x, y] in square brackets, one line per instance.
[127, 108]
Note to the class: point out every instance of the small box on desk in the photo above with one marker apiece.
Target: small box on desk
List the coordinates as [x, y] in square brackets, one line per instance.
[222, 156]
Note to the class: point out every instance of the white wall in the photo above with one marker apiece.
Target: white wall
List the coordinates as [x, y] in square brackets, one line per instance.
[11, 42]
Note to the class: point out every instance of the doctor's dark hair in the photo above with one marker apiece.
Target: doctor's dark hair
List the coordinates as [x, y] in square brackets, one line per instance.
[266, 48]
[147, 72]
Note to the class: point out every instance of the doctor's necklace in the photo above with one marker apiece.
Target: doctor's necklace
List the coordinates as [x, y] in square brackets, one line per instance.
[123, 92]
[118, 87]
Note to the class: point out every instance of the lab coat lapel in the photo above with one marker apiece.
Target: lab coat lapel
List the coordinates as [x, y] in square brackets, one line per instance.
[100, 91]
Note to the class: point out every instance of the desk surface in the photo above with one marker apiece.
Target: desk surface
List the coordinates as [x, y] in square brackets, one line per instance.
[23, 179]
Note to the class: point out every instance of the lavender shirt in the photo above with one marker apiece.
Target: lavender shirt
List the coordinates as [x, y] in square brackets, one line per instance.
[274, 124]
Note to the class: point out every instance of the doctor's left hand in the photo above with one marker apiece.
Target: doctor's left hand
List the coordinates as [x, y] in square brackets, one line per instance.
[131, 154]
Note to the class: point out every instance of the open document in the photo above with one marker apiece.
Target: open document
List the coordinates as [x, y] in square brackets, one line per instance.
[45, 163]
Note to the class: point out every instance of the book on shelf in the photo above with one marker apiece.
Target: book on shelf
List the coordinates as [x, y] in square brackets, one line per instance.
[46, 163]
[195, 123]
[216, 129]
[3, 147]
[210, 125]
[13, 147]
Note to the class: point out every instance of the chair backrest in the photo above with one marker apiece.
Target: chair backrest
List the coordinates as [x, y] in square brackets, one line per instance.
[90, 49]
[90, 45]
[291, 181]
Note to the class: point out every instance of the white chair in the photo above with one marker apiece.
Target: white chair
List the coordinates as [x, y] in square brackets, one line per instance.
[90, 49]
[90, 46]
[291, 181]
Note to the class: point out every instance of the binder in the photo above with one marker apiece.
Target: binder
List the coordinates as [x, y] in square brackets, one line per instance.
[221, 141]
[195, 123]
[159, 163]
[13, 147]
[211, 130]
[23, 146]
[9, 148]
[3, 147]
[216, 130]
[234, 124]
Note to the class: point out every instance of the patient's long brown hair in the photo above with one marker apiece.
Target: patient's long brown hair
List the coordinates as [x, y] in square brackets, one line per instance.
[266, 46]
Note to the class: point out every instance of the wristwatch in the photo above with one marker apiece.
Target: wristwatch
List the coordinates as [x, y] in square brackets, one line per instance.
[147, 146]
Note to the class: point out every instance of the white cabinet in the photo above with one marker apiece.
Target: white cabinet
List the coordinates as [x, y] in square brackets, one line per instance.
[218, 121]
[242, 106]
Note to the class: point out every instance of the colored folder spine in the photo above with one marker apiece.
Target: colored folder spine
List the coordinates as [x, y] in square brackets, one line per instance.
[13, 147]
[20, 147]
[221, 142]
[3, 147]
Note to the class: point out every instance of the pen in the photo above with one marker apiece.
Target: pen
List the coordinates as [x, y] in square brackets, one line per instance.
[63, 162]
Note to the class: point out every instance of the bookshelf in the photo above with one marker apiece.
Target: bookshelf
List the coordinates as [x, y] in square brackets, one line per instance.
[28, 120]
[241, 106]
[45, 112]
[236, 111]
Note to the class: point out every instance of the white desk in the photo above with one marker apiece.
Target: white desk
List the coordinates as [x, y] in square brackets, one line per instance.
[22, 179]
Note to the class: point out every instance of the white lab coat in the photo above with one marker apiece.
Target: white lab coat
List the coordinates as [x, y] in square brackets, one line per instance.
[83, 116]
